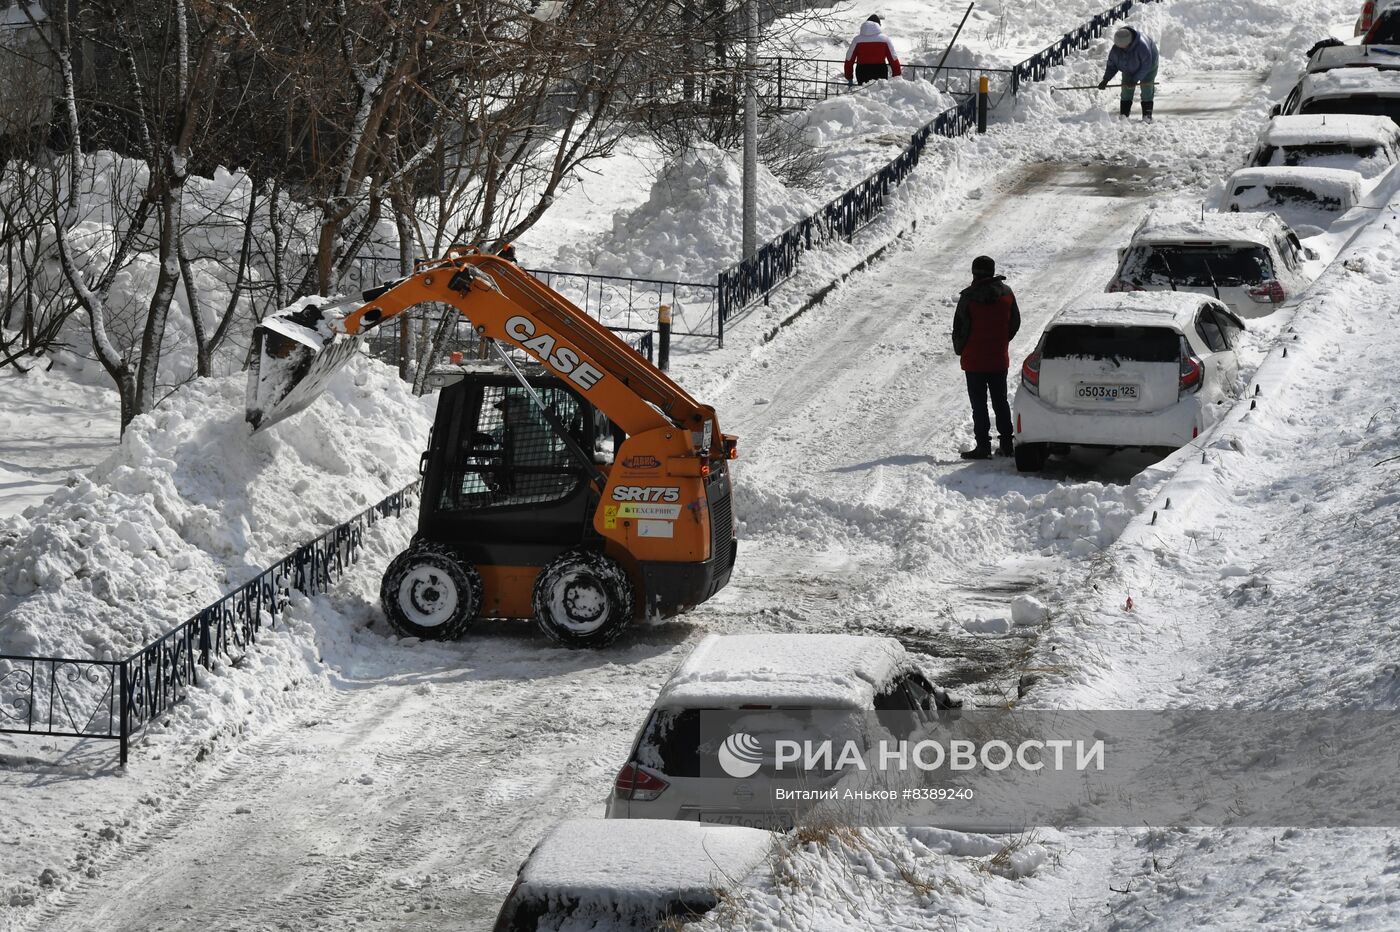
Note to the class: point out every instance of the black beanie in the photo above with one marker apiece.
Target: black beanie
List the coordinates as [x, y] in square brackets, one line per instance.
[984, 266]
[875, 18]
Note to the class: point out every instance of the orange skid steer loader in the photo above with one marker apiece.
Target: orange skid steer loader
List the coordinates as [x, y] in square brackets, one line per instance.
[575, 484]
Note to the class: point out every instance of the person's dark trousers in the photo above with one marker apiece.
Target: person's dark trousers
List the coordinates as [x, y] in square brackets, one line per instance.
[979, 386]
[866, 73]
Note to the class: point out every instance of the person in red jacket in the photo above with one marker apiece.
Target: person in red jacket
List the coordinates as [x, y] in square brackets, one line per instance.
[983, 325]
[871, 55]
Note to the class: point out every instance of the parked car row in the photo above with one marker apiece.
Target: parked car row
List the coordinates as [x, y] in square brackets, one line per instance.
[1151, 364]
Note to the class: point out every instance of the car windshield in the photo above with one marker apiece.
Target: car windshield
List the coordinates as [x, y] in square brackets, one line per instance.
[1198, 266]
[1369, 160]
[1104, 341]
[1368, 104]
[1386, 30]
[1262, 197]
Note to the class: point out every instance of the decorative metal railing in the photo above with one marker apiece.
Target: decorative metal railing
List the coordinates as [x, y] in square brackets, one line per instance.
[797, 83]
[115, 699]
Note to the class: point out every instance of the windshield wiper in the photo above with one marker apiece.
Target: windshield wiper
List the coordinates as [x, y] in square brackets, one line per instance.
[1213, 286]
[1113, 358]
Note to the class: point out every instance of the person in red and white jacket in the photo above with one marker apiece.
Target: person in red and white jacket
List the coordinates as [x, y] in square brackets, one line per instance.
[871, 56]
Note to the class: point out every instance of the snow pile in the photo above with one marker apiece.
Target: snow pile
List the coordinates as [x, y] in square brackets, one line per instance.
[819, 670]
[191, 505]
[690, 227]
[842, 877]
[859, 132]
[1081, 518]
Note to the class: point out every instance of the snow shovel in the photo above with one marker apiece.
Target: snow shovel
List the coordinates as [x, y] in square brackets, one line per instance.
[294, 354]
[1095, 87]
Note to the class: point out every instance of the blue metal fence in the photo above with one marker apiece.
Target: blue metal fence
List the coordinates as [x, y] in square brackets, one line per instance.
[115, 699]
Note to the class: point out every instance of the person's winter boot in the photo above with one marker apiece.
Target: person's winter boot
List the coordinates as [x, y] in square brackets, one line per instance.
[983, 451]
[1147, 112]
[1125, 108]
[1005, 448]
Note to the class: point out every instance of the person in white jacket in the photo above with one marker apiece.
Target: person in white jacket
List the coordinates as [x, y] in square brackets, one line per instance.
[871, 55]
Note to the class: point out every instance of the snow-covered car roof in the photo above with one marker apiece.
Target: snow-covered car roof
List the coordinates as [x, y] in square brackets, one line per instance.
[1256, 228]
[1175, 309]
[1323, 128]
[1341, 184]
[842, 671]
[1345, 82]
[640, 861]
[1354, 56]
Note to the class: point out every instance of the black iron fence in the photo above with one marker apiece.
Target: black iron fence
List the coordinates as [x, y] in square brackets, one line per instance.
[797, 83]
[1038, 65]
[115, 699]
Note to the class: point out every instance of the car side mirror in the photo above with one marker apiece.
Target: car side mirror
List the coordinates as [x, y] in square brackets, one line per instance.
[1275, 110]
[1122, 251]
[1310, 253]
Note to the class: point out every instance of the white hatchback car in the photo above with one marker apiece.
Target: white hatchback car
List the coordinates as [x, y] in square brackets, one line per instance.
[756, 684]
[1369, 145]
[1250, 261]
[1136, 370]
[1302, 197]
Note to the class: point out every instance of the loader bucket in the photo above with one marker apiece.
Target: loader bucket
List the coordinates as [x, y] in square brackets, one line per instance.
[293, 358]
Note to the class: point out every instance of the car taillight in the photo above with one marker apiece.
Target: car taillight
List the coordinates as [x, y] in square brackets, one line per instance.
[1192, 375]
[1368, 14]
[634, 782]
[1270, 292]
[1030, 373]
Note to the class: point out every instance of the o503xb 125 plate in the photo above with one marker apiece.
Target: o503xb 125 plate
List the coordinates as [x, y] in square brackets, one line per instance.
[1098, 391]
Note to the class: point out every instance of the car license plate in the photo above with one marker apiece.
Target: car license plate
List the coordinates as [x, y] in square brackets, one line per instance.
[772, 821]
[1091, 391]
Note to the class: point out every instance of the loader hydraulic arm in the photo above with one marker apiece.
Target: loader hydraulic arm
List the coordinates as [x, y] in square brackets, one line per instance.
[507, 304]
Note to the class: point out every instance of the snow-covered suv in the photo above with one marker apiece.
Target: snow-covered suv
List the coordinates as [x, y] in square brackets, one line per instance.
[758, 683]
[1125, 371]
[1250, 261]
[1373, 91]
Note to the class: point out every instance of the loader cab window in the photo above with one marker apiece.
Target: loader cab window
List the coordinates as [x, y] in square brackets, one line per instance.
[505, 452]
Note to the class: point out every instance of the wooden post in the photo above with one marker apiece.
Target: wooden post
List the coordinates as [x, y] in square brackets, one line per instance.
[663, 330]
[983, 91]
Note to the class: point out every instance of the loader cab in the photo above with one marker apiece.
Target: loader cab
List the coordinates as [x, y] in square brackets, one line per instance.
[500, 485]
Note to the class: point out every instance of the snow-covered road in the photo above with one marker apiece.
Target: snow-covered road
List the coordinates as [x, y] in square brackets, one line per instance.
[405, 796]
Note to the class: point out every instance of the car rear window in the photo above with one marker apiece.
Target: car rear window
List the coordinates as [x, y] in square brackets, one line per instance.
[1282, 195]
[1368, 104]
[1102, 341]
[1386, 30]
[1191, 266]
[1319, 155]
[675, 744]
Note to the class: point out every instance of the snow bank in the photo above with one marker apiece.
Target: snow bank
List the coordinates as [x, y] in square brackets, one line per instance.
[191, 505]
[690, 227]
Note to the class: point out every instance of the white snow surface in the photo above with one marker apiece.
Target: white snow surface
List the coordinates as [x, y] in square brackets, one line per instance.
[1341, 82]
[1140, 308]
[622, 860]
[1255, 228]
[856, 516]
[838, 671]
[190, 505]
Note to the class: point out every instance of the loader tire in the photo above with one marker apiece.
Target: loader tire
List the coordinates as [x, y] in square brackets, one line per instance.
[1031, 457]
[583, 598]
[429, 593]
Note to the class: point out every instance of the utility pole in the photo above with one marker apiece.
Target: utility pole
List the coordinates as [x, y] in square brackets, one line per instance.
[750, 236]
